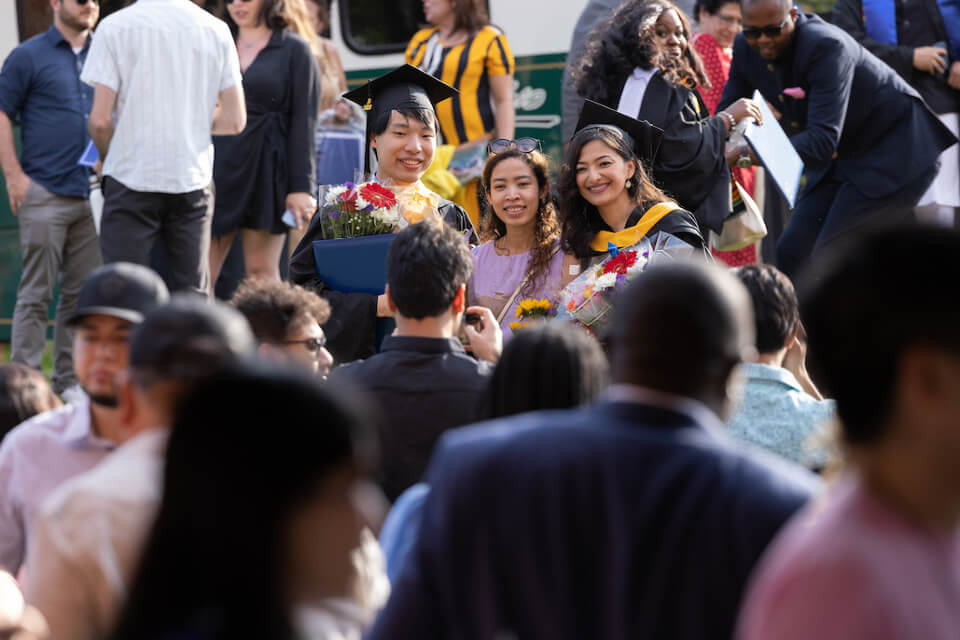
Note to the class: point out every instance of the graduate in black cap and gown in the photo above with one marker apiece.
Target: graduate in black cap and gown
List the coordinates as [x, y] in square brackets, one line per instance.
[401, 136]
[605, 194]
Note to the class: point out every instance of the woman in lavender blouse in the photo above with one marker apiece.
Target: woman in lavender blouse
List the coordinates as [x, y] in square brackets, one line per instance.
[520, 256]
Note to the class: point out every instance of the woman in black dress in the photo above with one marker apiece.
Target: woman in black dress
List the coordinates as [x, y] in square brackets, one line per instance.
[269, 168]
[638, 63]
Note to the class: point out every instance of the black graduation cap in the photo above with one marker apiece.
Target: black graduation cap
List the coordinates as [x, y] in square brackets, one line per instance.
[404, 87]
[643, 136]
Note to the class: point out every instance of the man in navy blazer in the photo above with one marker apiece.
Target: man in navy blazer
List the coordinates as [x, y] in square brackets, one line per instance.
[636, 517]
[869, 142]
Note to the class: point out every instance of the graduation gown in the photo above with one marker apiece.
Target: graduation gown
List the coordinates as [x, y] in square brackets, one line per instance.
[680, 223]
[691, 164]
[351, 328]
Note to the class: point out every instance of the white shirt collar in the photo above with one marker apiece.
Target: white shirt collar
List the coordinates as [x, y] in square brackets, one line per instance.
[693, 409]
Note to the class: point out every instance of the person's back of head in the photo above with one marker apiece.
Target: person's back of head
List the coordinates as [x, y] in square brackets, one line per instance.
[548, 366]
[681, 328]
[775, 306]
[878, 314]
[178, 345]
[24, 393]
[428, 266]
[255, 510]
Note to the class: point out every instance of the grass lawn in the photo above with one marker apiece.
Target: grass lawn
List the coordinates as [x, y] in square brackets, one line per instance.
[46, 364]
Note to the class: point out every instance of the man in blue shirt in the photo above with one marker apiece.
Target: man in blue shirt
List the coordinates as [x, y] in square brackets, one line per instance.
[782, 409]
[40, 89]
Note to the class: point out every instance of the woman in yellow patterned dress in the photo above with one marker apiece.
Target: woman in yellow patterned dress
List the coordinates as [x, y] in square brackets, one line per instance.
[461, 48]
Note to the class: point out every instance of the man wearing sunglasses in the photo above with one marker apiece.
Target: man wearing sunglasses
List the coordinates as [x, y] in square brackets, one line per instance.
[286, 320]
[49, 192]
[868, 141]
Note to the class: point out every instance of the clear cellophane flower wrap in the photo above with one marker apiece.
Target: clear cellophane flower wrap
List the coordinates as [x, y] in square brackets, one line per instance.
[416, 203]
[589, 299]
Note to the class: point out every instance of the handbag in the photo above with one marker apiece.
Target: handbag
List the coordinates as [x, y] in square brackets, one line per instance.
[742, 229]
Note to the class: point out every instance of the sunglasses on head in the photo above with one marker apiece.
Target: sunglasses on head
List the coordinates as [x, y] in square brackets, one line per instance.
[523, 145]
[771, 30]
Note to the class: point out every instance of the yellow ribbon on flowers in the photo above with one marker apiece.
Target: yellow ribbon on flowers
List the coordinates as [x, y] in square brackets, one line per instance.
[632, 235]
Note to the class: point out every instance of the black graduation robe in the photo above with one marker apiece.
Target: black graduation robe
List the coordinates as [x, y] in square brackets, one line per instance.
[680, 223]
[351, 329]
[691, 165]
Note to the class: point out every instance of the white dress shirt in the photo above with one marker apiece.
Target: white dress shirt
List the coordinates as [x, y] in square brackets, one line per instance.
[631, 98]
[88, 537]
[35, 458]
[168, 61]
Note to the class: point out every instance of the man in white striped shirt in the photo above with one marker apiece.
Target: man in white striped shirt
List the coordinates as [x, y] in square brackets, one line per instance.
[170, 71]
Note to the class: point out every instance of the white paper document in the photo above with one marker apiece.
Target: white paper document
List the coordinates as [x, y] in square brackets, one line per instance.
[773, 148]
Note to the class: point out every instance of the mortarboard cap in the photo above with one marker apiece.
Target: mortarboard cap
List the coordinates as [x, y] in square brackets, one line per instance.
[645, 137]
[406, 87]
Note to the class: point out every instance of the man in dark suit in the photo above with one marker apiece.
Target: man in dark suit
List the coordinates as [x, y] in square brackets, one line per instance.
[869, 143]
[634, 517]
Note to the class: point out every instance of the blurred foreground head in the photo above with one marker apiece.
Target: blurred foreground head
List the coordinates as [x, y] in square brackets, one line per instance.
[550, 365]
[259, 502]
[682, 328]
[883, 324]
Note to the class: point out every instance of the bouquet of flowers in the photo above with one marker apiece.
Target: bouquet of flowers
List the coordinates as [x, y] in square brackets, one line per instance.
[369, 209]
[589, 299]
[532, 310]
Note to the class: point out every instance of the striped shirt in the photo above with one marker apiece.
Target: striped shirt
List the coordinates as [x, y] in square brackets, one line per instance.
[167, 60]
[466, 67]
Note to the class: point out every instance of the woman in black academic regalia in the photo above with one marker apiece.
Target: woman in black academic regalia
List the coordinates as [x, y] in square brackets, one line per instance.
[401, 136]
[605, 195]
[639, 63]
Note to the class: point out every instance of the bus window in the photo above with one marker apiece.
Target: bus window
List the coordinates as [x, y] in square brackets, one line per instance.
[375, 27]
[34, 16]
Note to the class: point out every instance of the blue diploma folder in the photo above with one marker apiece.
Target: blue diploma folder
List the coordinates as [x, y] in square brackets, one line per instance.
[89, 156]
[356, 265]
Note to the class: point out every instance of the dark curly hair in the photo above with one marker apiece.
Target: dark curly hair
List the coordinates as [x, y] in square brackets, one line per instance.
[579, 220]
[626, 40]
[274, 309]
[547, 230]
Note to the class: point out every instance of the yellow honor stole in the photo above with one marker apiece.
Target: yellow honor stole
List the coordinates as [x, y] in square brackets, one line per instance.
[632, 235]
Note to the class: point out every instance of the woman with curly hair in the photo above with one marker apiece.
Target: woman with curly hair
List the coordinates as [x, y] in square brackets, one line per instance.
[520, 256]
[604, 188]
[639, 63]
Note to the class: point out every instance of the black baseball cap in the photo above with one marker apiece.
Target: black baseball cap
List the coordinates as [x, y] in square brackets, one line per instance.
[190, 337]
[641, 136]
[122, 290]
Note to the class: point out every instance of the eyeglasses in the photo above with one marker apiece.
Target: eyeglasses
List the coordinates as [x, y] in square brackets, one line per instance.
[83, 2]
[232, 1]
[771, 30]
[523, 145]
[313, 345]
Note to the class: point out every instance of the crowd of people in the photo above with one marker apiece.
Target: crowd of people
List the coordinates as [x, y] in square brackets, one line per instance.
[744, 450]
